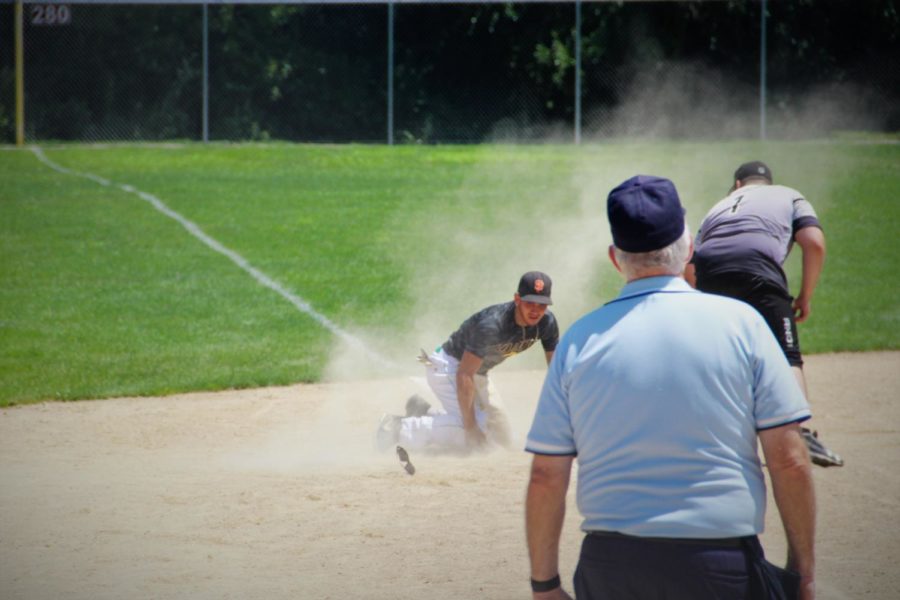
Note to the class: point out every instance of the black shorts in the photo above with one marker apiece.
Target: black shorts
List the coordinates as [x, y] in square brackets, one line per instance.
[772, 301]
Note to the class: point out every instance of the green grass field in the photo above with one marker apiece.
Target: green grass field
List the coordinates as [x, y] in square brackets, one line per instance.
[104, 295]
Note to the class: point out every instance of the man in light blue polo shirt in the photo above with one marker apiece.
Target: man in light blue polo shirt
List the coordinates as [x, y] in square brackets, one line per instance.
[661, 395]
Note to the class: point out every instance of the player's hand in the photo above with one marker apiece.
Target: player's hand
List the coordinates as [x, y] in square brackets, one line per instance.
[557, 594]
[801, 308]
[475, 438]
[807, 589]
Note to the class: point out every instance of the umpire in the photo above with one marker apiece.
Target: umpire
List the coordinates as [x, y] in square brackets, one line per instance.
[662, 394]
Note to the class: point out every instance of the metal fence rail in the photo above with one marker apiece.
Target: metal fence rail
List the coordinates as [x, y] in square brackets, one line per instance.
[440, 72]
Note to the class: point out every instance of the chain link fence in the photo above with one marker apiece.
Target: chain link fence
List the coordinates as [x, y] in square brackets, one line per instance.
[451, 73]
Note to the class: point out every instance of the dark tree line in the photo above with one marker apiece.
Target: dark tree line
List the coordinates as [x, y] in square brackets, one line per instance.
[460, 73]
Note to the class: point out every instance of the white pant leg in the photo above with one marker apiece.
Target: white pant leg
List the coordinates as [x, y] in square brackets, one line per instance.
[444, 430]
[441, 377]
[433, 432]
[497, 425]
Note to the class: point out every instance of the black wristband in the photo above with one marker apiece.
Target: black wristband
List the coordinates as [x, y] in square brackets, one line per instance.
[545, 586]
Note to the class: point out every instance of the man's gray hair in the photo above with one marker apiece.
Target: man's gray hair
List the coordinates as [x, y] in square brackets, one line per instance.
[670, 260]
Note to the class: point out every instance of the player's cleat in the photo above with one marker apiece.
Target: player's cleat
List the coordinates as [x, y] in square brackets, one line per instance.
[417, 406]
[387, 433]
[403, 455]
[818, 453]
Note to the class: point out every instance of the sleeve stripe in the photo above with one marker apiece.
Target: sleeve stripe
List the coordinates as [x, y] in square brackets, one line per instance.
[797, 417]
[541, 448]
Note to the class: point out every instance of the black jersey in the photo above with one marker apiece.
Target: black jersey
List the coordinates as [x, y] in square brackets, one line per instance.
[492, 335]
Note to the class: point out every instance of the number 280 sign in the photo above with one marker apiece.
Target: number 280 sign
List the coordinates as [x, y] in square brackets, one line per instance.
[50, 14]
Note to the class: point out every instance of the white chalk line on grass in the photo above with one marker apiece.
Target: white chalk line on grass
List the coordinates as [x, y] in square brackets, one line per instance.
[192, 228]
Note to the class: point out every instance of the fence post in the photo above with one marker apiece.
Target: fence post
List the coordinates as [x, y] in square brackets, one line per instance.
[762, 71]
[577, 72]
[205, 116]
[390, 74]
[20, 74]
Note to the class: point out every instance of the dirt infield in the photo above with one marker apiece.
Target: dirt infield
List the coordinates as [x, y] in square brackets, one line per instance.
[276, 493]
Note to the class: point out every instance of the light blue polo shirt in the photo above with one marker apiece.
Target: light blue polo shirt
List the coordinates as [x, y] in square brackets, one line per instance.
[660, 394]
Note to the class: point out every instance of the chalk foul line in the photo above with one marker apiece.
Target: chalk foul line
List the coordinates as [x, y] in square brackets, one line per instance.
[192, 228]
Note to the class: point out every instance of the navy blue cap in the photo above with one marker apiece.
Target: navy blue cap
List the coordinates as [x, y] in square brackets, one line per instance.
[645, 214]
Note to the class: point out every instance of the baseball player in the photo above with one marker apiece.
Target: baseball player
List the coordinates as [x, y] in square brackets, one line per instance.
[739, 251]
[457, 373]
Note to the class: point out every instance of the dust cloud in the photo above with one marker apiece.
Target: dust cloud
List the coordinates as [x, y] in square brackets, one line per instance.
[471, 266]
[553, 218]
[564, 235]
[690, 101]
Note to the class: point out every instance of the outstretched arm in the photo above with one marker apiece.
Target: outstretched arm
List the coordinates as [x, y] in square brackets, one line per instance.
[812, 242]
[545, 510]
[792, 486]
[465, 395]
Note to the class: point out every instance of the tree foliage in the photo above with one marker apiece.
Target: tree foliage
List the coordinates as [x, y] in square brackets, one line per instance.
[465, 72]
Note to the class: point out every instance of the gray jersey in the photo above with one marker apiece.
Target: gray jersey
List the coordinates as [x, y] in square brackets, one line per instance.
[752, 231]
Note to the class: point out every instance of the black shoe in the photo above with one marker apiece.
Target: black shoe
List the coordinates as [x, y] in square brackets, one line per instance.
[416, 406]
[818, 453]
[403, 455]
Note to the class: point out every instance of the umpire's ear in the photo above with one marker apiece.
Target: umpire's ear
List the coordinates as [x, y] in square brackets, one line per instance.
[612, 257]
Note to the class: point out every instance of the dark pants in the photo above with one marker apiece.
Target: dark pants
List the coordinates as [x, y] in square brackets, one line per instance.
[771, 301]
[617, 567]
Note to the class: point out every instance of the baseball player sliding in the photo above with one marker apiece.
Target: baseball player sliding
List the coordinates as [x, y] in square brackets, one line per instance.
[457, 373]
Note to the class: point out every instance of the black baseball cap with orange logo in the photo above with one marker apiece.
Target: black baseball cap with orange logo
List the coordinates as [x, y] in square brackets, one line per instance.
[535, 287]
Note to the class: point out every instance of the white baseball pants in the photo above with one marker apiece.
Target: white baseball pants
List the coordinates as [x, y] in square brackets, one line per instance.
[443, 430]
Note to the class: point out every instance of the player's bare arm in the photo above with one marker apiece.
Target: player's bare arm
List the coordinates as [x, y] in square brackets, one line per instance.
[465, 394]
[812, 243]
[792, 486]
[545, 510]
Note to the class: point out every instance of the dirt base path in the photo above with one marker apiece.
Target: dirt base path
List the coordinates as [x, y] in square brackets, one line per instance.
[276, 493]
